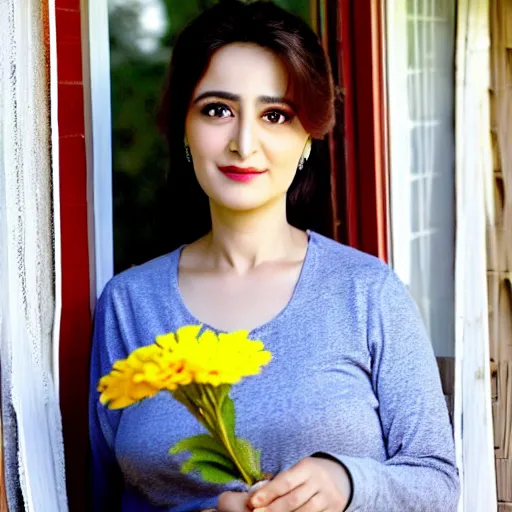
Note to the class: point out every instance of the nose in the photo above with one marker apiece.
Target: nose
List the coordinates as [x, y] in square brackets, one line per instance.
[246, 138]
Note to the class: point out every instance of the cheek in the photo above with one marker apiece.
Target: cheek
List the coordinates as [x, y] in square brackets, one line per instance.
[206, 141]
[285, 150]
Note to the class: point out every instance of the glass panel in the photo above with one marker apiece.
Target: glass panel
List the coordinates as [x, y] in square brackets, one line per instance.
[142, 33]
[421, 36]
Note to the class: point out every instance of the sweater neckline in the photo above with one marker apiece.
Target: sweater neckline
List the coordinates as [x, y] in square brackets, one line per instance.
[190, 318]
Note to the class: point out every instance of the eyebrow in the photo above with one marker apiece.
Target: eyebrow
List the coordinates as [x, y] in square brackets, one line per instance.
[235, 97]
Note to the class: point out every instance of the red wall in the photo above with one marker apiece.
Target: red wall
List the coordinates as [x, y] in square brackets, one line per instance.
[76, 318]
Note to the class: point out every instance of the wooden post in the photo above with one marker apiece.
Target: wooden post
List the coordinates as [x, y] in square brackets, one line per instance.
[472, 415]
[499, 240]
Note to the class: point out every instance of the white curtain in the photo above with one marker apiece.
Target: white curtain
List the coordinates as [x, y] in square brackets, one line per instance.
[421, 89]
[32, 437]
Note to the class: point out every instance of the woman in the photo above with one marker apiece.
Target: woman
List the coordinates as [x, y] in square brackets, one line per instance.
[350, 414]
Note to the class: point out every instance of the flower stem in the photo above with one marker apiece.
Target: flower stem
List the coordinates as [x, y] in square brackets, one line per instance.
[203, 414]
[225, 438]
[202, 402]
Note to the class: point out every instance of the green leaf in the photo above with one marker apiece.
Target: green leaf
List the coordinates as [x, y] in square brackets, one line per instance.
[222, 392]
[228, 417]
[202, 456]
[200, 442]
[250, 458]
[211, 472]
[247, 456]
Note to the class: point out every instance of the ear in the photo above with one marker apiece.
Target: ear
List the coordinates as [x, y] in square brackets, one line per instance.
[307, 149]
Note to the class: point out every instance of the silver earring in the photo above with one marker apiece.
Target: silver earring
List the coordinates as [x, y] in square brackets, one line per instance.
[188, 156]
[305, 154]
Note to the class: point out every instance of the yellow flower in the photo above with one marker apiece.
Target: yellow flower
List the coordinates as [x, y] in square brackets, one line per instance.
[174, 372]
[126, 383]
[198, 369]
[179, 360]
[215, 359]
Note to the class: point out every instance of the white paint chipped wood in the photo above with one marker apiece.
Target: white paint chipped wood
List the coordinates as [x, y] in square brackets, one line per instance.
[472, 415]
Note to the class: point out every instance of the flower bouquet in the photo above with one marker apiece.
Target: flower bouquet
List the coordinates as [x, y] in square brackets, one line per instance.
[198, 370]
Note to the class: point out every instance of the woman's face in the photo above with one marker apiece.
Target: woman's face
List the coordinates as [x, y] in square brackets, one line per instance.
[244, 135]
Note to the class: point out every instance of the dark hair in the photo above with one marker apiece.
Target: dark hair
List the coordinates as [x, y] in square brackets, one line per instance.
[310, 87]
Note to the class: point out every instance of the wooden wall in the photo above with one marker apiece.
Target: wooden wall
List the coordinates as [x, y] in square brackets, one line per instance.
[499, 235]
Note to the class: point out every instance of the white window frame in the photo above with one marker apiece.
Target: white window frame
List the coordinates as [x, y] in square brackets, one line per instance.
[98, 139]
[475, 449]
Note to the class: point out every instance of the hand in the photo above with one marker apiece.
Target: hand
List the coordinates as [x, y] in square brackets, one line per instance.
[233, 502]
[312, 485]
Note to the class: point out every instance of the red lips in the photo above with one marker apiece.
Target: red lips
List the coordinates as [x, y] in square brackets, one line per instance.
[233, 169]
[241, 173]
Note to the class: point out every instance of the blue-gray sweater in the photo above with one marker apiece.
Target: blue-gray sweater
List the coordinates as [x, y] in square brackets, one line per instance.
[353, 375]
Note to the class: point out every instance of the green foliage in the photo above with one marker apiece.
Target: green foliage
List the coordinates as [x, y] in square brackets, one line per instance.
[209, 457]
[202, 442]
[228, 416]
[211, 472]
[247, 456]
[212, 466]
[250, 458]
[220, 456]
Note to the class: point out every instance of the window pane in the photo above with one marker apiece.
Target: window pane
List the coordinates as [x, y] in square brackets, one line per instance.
[421, 37]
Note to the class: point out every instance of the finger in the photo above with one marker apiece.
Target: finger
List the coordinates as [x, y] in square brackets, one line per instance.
[232, 502]
[256, 486]
[293, 500]
[317, 503]
[282, 484]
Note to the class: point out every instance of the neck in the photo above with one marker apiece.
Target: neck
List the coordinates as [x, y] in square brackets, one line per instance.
[243, 240]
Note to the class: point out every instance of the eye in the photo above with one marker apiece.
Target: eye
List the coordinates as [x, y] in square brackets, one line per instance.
[276, 117]
[218, 110]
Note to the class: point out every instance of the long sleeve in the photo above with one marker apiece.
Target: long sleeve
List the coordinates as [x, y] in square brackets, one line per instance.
[106, 348]
[420, 473]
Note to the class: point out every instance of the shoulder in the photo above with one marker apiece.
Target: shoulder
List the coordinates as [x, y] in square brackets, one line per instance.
[336, 262]
[145, 280]
[347, 272]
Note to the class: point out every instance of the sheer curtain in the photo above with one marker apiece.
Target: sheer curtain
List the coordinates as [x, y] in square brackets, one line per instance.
[32, 438]
[421, 56]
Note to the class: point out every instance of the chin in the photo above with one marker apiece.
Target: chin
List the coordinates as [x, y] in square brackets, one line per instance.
[241, 205]
[241, 202]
